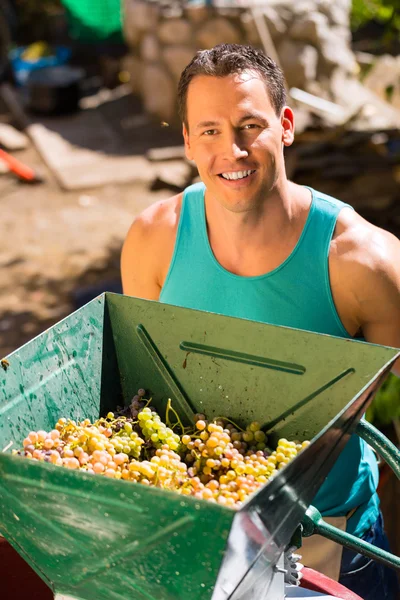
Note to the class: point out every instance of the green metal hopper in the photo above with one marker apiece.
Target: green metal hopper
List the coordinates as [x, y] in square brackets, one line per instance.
[93, 538]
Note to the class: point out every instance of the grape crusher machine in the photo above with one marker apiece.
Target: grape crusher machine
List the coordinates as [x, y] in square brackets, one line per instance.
[94, 538]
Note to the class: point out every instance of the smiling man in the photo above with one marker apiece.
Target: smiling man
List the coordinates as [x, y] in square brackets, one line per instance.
[249, 243]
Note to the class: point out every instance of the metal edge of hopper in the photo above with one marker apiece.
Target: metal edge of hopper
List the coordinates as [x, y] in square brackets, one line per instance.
[264, 525]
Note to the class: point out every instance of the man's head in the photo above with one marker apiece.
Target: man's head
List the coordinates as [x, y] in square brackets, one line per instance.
[233, 59]
[236, 124]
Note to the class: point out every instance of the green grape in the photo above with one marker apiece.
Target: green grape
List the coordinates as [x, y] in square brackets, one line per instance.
[254, 426]
[259, 436]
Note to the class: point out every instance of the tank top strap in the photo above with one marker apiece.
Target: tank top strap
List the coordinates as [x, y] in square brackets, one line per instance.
[314, 244]
[191, 222]
[193, 202]
[189, 240]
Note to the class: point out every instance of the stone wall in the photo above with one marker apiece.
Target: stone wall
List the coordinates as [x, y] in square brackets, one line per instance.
[311, 38]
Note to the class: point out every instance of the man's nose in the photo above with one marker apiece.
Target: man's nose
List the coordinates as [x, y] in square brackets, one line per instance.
[235, 147]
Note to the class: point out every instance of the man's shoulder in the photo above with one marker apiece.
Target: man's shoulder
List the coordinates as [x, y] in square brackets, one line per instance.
[148, 248]
[163, 214]
[154, 228]
[359, 244]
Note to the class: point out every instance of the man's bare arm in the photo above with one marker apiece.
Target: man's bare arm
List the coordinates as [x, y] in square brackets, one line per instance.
[137, 267]
[148, 249]
[374, 271]
[380, 299]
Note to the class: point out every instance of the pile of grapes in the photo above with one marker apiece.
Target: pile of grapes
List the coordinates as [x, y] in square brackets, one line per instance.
[213, 460]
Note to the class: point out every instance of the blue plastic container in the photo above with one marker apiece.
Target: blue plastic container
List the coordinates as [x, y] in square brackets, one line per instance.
[23, 68]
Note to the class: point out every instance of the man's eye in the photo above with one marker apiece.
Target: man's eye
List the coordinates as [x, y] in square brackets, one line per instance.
[210, 132]
[250, 126]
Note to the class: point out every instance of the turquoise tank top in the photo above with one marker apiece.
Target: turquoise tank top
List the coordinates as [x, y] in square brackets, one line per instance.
[295, 294]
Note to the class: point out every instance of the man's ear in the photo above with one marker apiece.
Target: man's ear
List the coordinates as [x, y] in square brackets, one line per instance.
[287, 121]
[188, 151]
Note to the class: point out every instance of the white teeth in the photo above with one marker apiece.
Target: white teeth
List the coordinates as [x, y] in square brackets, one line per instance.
[236, 174]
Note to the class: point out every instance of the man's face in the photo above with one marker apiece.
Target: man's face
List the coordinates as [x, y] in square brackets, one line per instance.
[236, 139]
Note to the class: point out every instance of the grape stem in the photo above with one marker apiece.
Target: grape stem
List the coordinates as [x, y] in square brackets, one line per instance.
[147, 403]
[229, 421]
[167, 420]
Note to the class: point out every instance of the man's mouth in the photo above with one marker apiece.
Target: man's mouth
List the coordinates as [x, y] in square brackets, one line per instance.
[235, 175]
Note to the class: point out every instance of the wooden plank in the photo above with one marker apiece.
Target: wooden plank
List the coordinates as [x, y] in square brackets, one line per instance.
[11, 138]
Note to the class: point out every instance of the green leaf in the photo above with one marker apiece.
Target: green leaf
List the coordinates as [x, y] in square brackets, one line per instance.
[386, 405]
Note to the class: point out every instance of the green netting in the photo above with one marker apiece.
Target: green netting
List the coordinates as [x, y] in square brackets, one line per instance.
[94, 20]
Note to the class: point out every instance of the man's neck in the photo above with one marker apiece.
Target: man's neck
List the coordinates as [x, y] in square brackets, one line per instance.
[266, 223]
[256, 241]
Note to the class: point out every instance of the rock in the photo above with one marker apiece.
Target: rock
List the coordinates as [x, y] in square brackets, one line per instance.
[369, 111]
[299, 62]
[336, 53]
[250, 29]
[384, 73]
[177, 58]
[338, 12]
[319, 87]
[301, 8]
[395, 99]
[275, 23]
[310, 29]
[216, 32]
[198, 14]
[131, 31]
[365, 58]
[139, 16]
[343, 34]
[174, 11]
[273, 20]
[159, 93]
[175, 31]
[303, 119]
[134, 67]
[150, 48]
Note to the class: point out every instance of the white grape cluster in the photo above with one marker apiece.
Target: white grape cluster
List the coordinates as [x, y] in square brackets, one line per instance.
[214, 460]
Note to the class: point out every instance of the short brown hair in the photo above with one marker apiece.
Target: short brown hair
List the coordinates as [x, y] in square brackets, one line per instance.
[229, 59]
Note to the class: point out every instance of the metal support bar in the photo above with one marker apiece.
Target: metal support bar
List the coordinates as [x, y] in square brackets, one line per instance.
[380, 443]
[313, 523]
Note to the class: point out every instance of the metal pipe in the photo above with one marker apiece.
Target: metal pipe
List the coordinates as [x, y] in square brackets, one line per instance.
[313, 523]
[380, 443]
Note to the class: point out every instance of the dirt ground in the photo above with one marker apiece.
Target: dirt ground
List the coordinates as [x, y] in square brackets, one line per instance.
[54, 243]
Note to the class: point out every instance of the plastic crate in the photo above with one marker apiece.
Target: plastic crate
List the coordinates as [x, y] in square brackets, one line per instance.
[23, 68]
